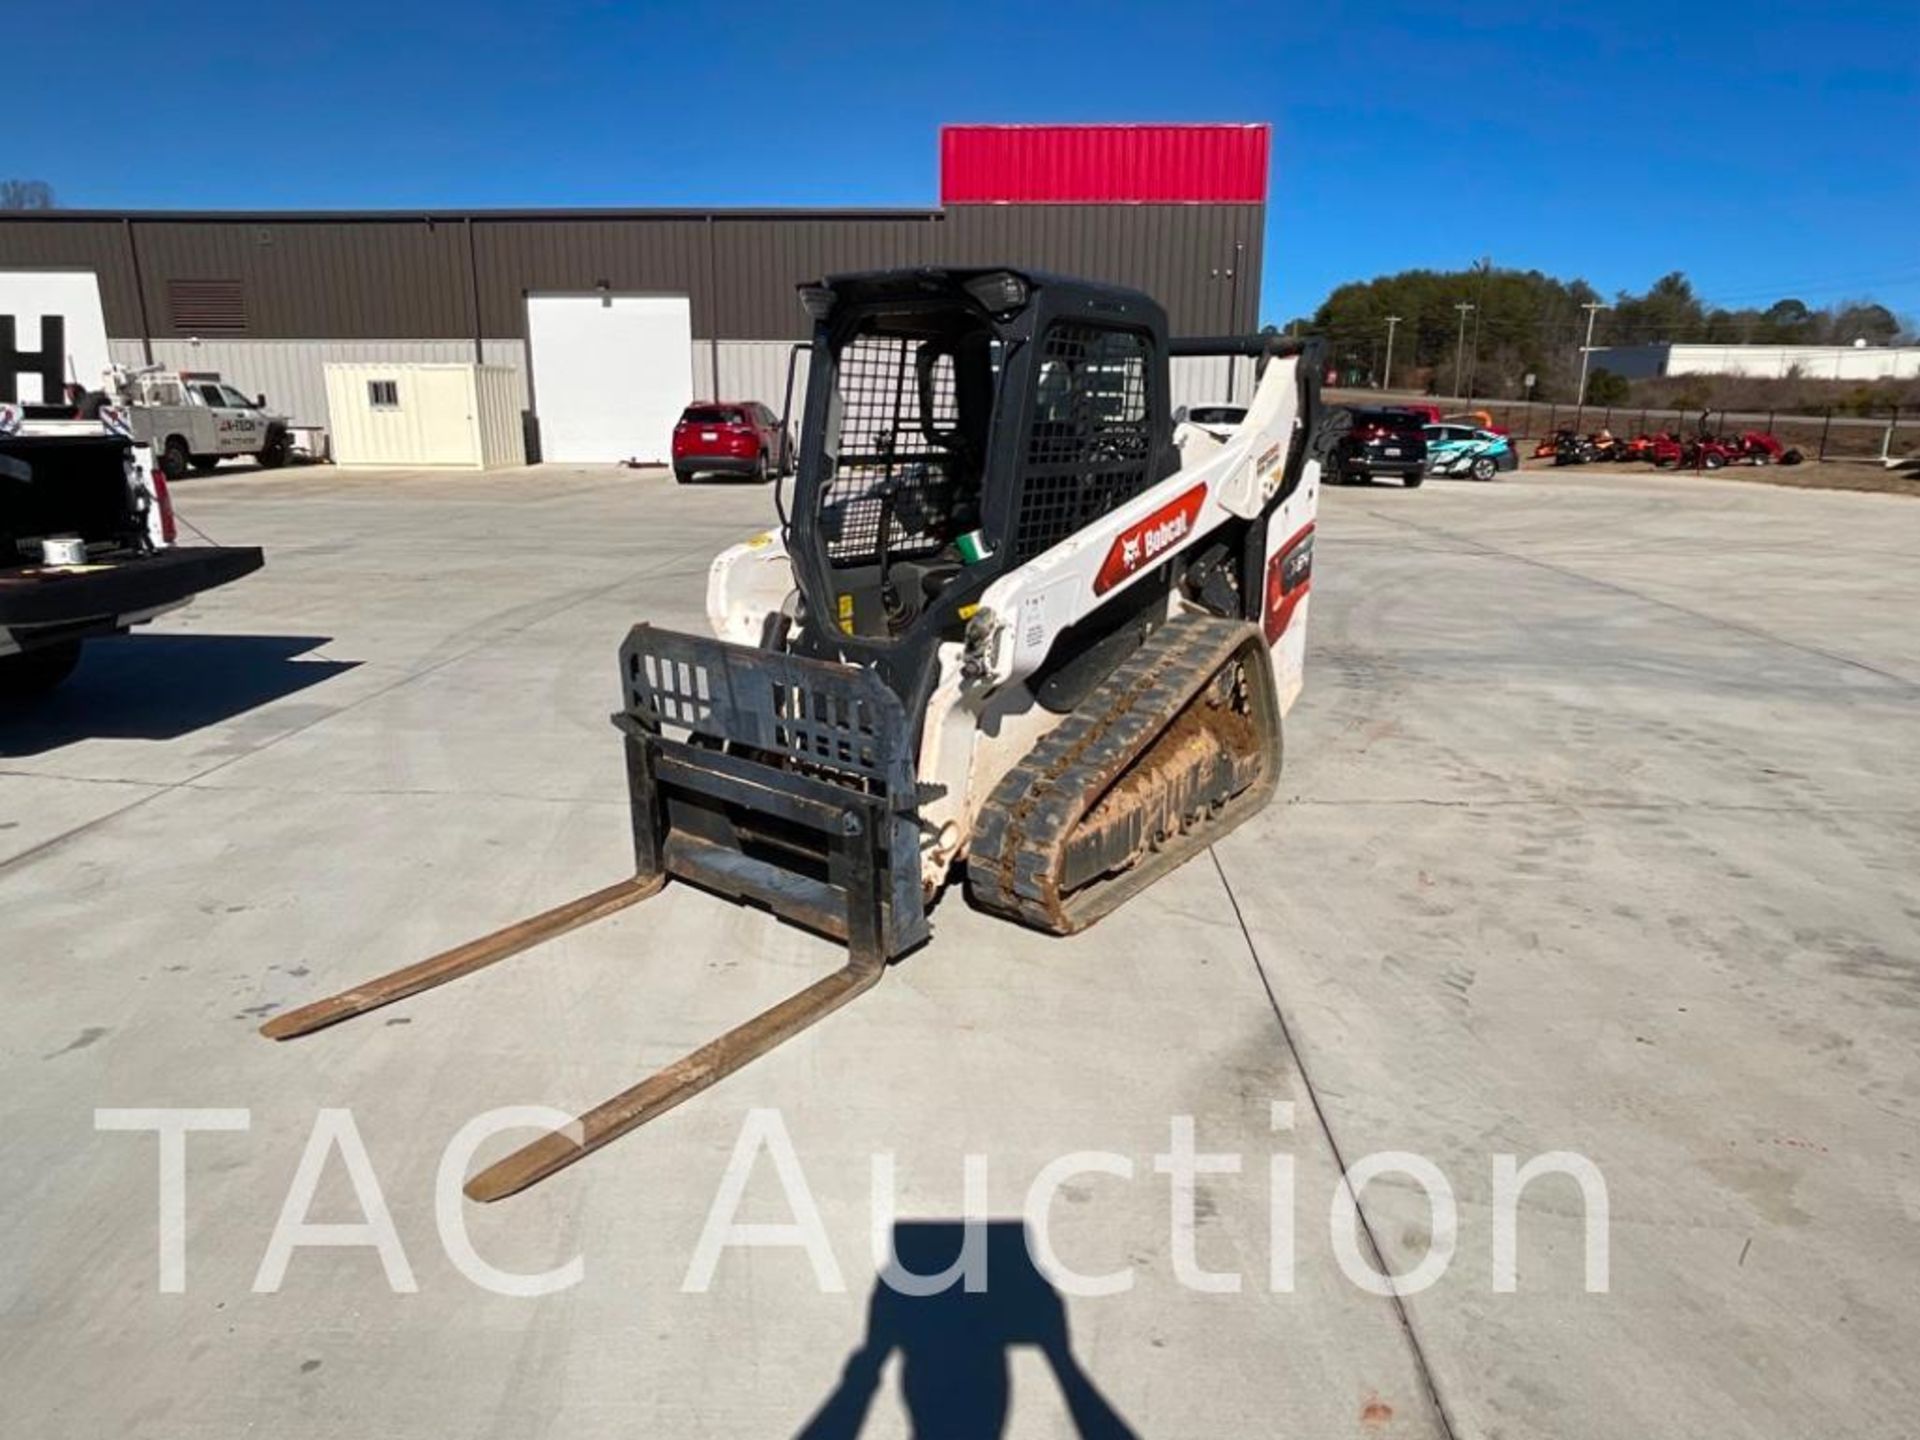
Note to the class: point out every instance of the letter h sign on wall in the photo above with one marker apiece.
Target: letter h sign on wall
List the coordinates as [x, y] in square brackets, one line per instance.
[48, 362]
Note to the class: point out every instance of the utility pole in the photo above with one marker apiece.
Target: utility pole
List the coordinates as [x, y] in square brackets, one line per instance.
[1593, 308]
[1386, 376]
[1465, 307]
[1485, 267]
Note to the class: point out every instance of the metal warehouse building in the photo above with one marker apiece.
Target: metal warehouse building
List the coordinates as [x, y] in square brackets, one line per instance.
[693, 302]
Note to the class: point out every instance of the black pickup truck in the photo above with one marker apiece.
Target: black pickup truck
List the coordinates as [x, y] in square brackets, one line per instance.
[86, 543]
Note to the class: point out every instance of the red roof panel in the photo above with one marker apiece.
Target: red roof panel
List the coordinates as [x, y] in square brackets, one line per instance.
[1103, 164]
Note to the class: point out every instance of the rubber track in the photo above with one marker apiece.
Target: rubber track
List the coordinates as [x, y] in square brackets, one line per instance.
[1020, 834]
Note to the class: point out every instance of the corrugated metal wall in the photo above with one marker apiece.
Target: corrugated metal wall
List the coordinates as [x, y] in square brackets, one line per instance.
[498, 390]
[1199, 379]
[757, 370]
[360, 280]
[1124, 164]
[1179, 254]
[96, 245]
[629, 256]
[761, 263]
[292, 373]
[1182, 255]
[384, 278]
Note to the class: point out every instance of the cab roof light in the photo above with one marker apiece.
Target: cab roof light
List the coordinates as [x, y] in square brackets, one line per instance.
[1000, 292]
[818, 300]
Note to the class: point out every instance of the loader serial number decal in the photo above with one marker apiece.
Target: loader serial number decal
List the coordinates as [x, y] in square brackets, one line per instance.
[1289, 577]
[1149, 541]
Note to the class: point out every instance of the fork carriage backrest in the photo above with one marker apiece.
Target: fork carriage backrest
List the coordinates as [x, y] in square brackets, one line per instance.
[831, 735]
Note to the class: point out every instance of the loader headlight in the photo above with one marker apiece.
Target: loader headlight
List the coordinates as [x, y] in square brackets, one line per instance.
[1000, 292]
[980, 659]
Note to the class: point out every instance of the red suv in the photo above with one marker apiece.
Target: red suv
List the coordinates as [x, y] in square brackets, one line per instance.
[730, 437]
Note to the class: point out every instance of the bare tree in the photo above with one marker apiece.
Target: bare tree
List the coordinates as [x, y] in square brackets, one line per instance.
[25, 195]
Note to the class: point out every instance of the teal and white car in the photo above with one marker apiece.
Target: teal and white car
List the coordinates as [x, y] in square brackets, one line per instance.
[1467, 450]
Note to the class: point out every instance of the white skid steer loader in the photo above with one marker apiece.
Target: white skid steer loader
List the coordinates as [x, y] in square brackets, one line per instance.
[1015, 621]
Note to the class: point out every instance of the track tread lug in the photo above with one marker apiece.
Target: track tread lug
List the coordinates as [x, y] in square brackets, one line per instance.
[1021, 833]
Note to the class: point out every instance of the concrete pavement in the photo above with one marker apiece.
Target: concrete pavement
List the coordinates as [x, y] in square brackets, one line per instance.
[1596, 835]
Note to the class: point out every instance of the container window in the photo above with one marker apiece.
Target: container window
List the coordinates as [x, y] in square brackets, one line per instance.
[383, 394]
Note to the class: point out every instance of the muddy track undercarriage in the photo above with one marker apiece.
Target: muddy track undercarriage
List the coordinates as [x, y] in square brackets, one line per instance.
[1179, 745]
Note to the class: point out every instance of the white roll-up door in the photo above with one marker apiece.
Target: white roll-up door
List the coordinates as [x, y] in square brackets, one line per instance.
[611, 374]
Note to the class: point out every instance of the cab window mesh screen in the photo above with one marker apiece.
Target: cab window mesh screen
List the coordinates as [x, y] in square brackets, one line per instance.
[1090, 447]
[886, 463]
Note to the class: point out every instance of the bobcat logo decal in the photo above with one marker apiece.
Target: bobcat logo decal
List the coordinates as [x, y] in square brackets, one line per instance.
[1149, 541]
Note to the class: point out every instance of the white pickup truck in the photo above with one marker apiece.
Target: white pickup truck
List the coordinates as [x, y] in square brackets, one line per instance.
[194, 419]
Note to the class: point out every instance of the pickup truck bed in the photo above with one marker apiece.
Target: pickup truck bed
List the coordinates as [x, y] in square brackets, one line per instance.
[105, 589]
[74, 487]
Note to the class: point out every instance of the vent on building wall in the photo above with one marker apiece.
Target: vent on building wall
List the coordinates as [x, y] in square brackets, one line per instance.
[207, 307]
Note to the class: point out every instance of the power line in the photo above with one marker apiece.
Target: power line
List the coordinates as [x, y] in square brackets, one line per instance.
[1822, 285]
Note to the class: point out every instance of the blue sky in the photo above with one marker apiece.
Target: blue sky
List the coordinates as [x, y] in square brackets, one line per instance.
[1764, 149]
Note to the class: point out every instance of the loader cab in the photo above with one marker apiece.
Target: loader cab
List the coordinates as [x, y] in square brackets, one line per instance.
[960, 423]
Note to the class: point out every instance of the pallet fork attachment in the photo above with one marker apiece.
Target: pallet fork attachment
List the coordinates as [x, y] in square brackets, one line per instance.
[461, 960]
[696, 803]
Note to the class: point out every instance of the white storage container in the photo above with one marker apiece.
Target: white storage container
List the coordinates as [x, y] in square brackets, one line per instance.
[424, 415]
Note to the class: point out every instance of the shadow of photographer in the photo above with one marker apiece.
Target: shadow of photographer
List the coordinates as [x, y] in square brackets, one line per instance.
[954, 1343]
